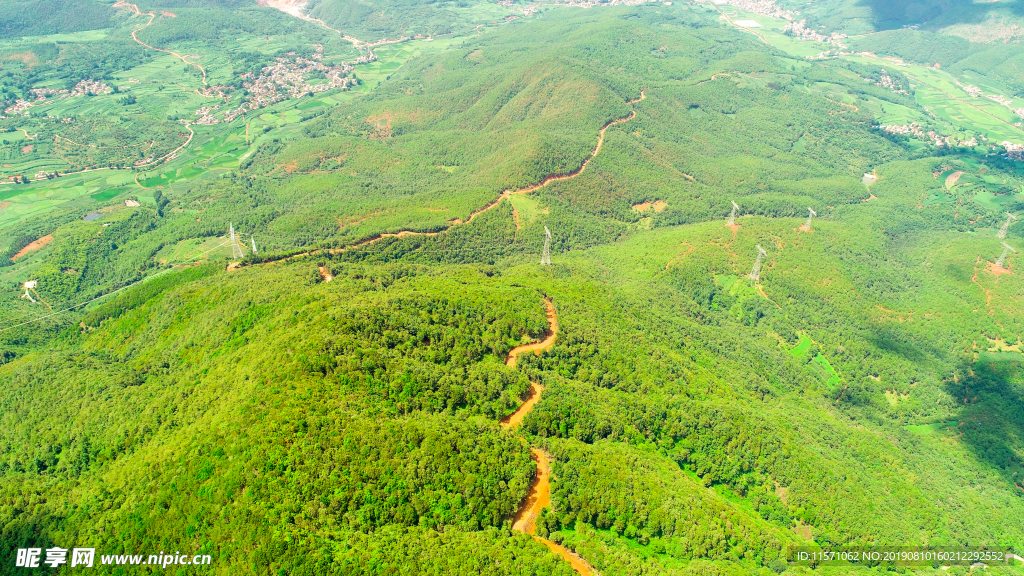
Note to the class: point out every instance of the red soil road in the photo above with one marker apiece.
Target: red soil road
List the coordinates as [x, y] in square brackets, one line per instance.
[538, 347]
[36, 245]
[988, 293]
[688, 250]
[513, 420]
[505, 194]
[597, 149]
[539, 497]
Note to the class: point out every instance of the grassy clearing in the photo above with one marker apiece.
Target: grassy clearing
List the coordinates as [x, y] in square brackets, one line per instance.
[528, 209]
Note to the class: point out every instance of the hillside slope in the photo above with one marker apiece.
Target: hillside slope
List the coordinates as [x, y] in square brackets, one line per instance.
[333, 405]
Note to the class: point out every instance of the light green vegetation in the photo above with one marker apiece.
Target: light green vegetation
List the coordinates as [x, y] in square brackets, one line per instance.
[528, 209]
[391, 57]
[391, 19]
[696, 423]
[943, 104]
[937, 91]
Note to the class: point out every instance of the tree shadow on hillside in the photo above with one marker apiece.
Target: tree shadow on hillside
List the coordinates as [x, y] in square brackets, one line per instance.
[896, 341]
[894, 14]
[991, 415]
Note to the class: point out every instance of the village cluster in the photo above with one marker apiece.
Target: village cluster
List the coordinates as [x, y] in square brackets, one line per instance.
[288, 78]
[1014, 151]
[886, 81]
[914, 130]
[83, 88]
[976, 92]
[799, 29]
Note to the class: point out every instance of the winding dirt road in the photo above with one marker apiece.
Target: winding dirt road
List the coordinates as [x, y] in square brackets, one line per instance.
[507, 193]
[513, 420]
[545, 344]
[539, 497]
[152, 15]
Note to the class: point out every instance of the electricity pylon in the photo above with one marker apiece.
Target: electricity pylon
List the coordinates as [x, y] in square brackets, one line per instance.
[236, 249]
[755, 274]
[253, 238]
[1006, 252]
[732, 217]
[1002, 231]
[810, 217]
[545, 259]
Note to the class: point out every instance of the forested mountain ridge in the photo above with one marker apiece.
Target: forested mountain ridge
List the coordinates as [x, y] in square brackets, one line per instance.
[338, 411]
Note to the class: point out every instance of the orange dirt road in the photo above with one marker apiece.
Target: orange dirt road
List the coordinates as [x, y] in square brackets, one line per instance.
[36, 245]
[502, 196]
[538, 347]
[538, 499]
[514, 419]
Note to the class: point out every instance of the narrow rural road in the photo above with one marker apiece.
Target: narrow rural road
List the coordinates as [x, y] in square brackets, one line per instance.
[547, 180]
[538, 347]
[539, 497]
[152, 15]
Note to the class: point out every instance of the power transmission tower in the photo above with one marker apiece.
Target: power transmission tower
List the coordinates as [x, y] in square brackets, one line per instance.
[732, 217]
[253, 238]
[1006, 252]
[1002, 231]
[236, 249]
[807, 225]
[755, 274]
[545, 259]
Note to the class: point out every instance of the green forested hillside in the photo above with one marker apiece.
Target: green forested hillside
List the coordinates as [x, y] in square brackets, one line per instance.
[333, 403]
[379, 20]
[38, 17]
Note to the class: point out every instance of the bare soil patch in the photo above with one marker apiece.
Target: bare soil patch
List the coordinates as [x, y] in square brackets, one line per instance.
[381, 125]
[782, 493]
[35, 245]
[291, 7]
[27, 149]
[998, 270]
[803, 530]
[25, 57]
[657, 206]
[1000, 345]
[952, 178]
